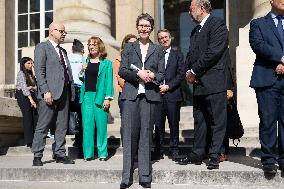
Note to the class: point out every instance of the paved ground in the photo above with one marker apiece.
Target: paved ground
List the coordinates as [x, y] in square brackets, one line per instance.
[71, 185]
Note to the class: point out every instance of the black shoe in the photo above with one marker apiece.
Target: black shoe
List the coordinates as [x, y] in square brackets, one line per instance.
[88, 159]
[64, 160]
[37, 162]
[54, 156]
[269, 170]
[188, 160]
[123, 185]
[103, 158]
[156, 157]
[213, 163]
[145, 184]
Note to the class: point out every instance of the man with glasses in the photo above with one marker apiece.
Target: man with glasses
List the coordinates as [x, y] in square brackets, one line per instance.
[170, 90]
[55, 88]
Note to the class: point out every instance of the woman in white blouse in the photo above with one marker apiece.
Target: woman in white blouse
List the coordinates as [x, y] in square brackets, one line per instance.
[26, 98]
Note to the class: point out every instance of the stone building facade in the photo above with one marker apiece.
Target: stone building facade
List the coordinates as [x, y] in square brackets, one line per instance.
[23, 23]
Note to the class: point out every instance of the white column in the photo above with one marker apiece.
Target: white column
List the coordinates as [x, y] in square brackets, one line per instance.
[85, 18]
[245, 58]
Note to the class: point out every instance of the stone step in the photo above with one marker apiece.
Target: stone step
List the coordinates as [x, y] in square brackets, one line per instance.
[115, 150]
[92, 185]
[248, 143]
[241, 171]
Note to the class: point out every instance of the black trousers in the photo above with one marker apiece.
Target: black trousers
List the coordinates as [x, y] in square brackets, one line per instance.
[30, 116]
[210, 120]
[171, 111]
[75, 106]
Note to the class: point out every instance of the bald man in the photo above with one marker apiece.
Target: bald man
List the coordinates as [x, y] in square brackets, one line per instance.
[55, 88]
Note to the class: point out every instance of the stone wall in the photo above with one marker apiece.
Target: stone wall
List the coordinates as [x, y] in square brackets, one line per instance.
[2, 47]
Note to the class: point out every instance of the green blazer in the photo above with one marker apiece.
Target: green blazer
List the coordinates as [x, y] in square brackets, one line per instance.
[104, 87]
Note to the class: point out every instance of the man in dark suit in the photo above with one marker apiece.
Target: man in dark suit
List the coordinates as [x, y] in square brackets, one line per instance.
[171, 96]
[54, 81]
[267, 41]
[207, 60]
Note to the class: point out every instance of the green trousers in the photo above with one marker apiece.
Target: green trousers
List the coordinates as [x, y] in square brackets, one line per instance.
[93, 116]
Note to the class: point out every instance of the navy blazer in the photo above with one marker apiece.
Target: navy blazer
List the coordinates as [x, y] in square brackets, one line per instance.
[266, 43]
[174, 75]
[154, 61]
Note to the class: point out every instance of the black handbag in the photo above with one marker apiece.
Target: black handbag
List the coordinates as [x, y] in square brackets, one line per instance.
[235, 129]
[74, 125]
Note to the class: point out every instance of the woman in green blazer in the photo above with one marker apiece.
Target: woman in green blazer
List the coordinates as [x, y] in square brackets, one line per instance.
[96, 93]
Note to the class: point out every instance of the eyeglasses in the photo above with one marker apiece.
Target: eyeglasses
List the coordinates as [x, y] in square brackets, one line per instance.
[93, 44]
[63, 32]
[148, 27]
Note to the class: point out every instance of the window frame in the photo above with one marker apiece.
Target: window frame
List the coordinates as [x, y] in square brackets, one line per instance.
[41, 29]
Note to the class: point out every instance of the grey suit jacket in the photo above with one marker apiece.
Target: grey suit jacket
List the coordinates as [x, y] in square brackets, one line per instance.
[49, 71]
[154, 61]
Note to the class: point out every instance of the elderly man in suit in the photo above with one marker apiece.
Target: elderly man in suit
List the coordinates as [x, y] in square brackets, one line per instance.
[55, 86]
[207, 59]
[267, 41]
[170, 90]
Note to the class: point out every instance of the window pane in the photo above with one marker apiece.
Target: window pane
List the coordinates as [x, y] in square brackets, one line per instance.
[34, 38]
[22, 39]
[46, 33]
[22, 22]
[48, 5]
[19, 55]
[34, 5]
[48, 18]
[34, 21]
[22, 6]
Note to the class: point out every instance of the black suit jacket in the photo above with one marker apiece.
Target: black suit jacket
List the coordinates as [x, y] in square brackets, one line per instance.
[174, 75]
[208, 57]
[154, 61]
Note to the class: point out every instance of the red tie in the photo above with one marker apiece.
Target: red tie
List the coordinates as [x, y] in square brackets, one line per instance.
[66, 77]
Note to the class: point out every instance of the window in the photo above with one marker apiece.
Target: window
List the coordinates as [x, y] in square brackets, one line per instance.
[32, 20]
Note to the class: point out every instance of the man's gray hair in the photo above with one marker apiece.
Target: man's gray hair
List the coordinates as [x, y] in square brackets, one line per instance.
[206, 4]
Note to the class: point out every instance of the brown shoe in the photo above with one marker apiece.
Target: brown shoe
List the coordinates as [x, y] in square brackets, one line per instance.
[223, 157]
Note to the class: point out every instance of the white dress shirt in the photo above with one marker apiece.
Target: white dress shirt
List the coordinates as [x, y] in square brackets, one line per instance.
[141, 89]
[55, 45]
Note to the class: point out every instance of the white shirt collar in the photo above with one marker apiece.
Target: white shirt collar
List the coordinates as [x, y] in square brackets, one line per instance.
[204, 20]
[273, 15]
[168, 50]
[54, 44]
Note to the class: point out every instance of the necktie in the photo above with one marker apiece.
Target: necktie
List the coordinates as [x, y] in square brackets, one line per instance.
[165, 52]
[196, 29]
[195, 32]
[280, 27]
[66, 77]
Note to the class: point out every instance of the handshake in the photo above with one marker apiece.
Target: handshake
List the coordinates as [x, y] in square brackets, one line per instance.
[145, 75]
